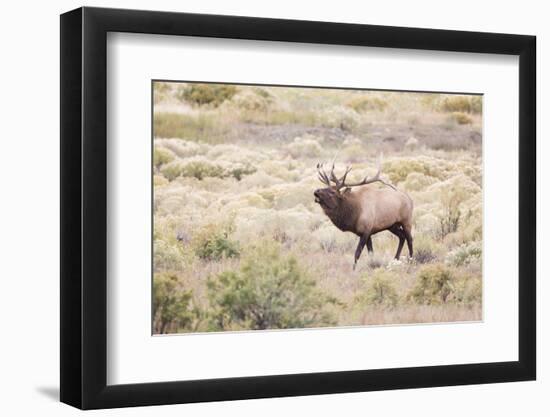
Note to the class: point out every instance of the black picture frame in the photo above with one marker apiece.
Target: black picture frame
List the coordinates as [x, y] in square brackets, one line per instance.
[84, 207]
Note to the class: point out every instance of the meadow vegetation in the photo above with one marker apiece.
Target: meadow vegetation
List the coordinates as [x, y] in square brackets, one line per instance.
[239, 242]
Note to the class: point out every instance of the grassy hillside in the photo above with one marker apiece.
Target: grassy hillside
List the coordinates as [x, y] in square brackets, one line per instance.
[239, 242]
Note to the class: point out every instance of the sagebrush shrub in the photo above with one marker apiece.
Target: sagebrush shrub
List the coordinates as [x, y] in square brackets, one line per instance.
[239, 171]
[167, 255]
[172, 305]
[340, 117]
[304, 146]
[207, 94]
[461, 118]
[449, 217]
[252, 99]
[464, 104]
[212, 243]
[365, 103]
[162, 156]
[468, 290]
[381, 290]
[465, 254]
[198, 169]
[268, 291]
[434, 285]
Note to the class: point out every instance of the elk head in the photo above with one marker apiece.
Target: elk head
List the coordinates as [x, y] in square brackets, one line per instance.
[331, 197]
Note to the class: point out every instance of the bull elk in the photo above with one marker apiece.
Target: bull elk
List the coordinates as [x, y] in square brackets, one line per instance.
[367, 210]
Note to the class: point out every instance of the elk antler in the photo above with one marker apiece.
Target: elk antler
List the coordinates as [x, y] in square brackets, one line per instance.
[323, 177]
[340, 183]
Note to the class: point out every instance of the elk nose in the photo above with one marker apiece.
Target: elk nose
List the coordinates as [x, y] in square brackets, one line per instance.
[316, 193]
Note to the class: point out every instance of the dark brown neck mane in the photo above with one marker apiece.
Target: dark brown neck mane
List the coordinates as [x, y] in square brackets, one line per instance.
[344, 216]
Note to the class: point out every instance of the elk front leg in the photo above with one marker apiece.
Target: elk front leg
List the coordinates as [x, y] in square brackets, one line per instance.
[369, 245]
[362, 241]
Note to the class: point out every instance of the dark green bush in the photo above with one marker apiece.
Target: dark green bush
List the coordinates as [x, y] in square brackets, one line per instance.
[207, 94]
[172, 306]
[212, 243]
[269, 291]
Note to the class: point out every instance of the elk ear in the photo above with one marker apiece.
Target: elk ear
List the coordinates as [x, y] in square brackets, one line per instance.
[347, 190]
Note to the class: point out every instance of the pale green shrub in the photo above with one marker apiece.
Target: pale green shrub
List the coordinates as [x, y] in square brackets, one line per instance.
[460, 103]
[182, 148]
[398, 169]
[465, 254]
[380, 289]
[238, 171]
[286, 196]
[172, 171]
[207, 94]
[468, 290]
[159, 181]
[162, 156]
[417, 181]
[261, 180]
[340, 117]
[167, 255]
[236, 154]
[449, 220]
[433, 285]
[252, 99]
[367, 102]
[196, 168]
[460, 118]
[306, 146]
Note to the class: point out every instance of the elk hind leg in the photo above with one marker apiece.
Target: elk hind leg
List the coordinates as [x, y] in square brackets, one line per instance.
[408, 236]
[397, 231]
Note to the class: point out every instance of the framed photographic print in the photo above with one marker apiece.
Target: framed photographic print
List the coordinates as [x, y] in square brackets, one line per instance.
[257, 207]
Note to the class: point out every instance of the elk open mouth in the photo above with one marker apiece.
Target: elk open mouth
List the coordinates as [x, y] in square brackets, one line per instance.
[317, 197]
